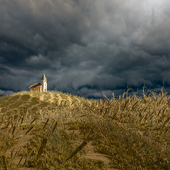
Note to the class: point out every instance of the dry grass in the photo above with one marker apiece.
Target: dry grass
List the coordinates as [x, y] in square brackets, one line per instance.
[133, 132]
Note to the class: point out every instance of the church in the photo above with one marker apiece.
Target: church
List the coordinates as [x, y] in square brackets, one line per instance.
[40, 87]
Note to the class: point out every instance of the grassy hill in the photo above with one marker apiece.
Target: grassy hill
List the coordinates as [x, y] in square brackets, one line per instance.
[58, 131]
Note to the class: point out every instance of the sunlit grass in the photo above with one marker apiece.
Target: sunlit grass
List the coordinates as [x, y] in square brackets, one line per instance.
[133, 132]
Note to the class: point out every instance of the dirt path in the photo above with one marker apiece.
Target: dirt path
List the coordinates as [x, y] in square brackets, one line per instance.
[29, 100]
[52, 98]
[16, 149]
[69, 99]
[95, 156]
[90, 150]
[42, 97]
[59, 98]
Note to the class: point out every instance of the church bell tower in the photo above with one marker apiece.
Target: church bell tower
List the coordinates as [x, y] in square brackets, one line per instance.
[44, 83]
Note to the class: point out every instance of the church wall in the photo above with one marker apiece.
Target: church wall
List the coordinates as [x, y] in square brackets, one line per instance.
[40, 88]
[35, 89]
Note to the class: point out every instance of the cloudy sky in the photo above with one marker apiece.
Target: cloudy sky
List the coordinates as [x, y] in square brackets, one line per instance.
[89, 47]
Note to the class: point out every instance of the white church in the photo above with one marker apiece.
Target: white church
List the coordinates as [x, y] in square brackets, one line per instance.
[40, 87]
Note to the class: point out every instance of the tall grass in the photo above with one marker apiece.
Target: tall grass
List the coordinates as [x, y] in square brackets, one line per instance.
[133, 132]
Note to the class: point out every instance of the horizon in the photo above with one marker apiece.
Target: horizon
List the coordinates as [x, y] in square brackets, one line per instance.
[126, 95]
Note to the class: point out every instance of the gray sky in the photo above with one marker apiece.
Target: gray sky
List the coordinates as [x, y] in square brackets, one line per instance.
[93, 47]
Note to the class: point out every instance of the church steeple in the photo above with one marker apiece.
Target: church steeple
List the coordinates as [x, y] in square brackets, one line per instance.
[44, 83]
[43, 77]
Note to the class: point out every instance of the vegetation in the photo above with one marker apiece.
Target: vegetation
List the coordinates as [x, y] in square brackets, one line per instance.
[54, 131]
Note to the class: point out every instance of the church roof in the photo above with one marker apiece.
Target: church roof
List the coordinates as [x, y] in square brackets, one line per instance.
[43, 77]
[35, 85]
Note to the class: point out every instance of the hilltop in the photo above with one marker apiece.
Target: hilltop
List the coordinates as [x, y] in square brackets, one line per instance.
[44, 104]
[37, 101]
[53, 130]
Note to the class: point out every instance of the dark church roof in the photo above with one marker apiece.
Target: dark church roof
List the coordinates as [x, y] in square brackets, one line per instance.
[35, 85]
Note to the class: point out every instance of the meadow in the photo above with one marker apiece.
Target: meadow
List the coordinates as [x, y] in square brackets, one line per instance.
[59, 131]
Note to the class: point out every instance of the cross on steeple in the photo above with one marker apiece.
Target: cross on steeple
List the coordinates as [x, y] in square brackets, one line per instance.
[44, 72]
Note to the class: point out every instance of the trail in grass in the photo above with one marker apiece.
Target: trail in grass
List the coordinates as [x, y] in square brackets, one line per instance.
[59, 98]
[69, 99]
[16, 149]
[91, 154]
[52, 98]
[42, 97]
[29, 100]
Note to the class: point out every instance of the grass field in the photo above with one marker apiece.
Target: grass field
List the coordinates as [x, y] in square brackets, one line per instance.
[57, 131]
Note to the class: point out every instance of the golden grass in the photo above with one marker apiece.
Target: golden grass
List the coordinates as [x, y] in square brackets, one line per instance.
[133, 132]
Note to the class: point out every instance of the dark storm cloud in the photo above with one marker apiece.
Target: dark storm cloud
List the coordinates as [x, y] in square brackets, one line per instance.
[93, 47]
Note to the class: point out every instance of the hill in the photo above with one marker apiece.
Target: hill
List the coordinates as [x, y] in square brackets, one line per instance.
[53, 130]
